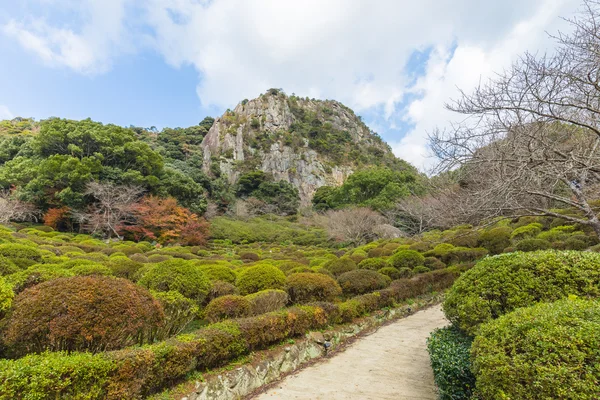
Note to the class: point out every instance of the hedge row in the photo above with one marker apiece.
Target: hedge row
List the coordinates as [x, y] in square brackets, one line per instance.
[136, 372]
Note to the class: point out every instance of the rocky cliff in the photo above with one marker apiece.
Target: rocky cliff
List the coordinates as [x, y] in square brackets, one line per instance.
[309, 143]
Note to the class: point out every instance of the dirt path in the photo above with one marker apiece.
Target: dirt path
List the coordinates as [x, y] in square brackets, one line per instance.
[391, 363]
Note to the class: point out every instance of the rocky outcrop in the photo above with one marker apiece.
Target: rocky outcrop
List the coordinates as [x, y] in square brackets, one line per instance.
[280, 136]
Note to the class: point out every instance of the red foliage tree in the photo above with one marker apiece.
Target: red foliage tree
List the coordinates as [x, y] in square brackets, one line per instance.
[163, 220]
[58, 218]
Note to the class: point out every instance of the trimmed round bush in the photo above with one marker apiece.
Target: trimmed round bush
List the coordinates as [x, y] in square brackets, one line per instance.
[547, 351]
[497, 285]
[298, 270]
[230, 306]
[123, 267]
[267, 300]
[289, 265]
[374, 264]
[340, 266]
[20, 251]
[573, 243]
[361, 281]
[218, 272]
[179, 275]
[249, 256]
[92, 269]
[307, 287]
[82, 313]
[220, 288]
[420, 269]
[407, 259]
[260, 277]
[391, 272]
[433, 263]
[526, 232]
[405, 272]
[532, 245]
[7, 267]
[37, 274]
[179, 312]
[6, 296]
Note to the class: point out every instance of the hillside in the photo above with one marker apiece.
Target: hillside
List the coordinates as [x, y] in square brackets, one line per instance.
[306, 142]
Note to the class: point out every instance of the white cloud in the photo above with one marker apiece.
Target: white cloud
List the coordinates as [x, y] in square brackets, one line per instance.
[5, 113]
[355, 51]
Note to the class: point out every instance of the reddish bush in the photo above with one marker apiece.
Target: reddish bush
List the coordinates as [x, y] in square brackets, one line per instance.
[84, 313]
[361, 281]
[230, 306]
[58, 218]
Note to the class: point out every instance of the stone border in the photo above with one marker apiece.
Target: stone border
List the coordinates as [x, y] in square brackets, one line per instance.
[255, 377]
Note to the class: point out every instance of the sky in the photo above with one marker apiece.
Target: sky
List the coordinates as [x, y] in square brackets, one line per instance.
[173, 62]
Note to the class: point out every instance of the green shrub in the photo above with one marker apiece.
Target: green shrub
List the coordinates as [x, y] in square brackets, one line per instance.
[231, 306]
[123, 267]
[267, 300]
[392, 272]
[55, 375]
[179, 312]
[249, 256]
[179, 275]
[19, 251]
[6, 297]
[526, 232]
[220, 288]
[433, 263]
[307, 287]
[532, 245]
[374, 264]
[573, 243]
[298, 270]
[216, 272]
[92, 269]
[405, 272]
[81, 313]
[36, 274]
[420, 269]
[407, 259]
[502, 283]
[449, 352]
[361, 281]
[289, 265]
[158, 258]
[260, 277]
[340, 266]
[7, 267]
[547, 351]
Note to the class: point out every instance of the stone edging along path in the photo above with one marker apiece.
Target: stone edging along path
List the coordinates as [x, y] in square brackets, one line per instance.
[271, 366]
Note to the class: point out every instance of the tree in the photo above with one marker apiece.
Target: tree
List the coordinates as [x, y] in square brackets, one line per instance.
[12, 209]
[163, 220]
[353, 225]
[530, 142]
[113, 207]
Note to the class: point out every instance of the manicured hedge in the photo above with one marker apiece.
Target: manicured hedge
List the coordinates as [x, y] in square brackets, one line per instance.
[180, 275]
[136, 372]
[361, 281]
[407, 259]
[260, 277]
[449, 351]
[502, 283]
[306, 287]
[547, 351]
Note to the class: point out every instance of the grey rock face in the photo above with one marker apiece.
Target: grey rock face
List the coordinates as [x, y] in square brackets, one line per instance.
[239, 142]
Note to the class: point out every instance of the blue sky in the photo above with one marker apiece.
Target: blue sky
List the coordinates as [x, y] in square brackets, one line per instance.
[173, 62]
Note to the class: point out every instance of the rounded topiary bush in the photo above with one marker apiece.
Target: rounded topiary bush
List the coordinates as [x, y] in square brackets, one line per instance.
[289, 265]
[230, 306]
[361, 281]
[407, 259]
[92, 269]
[179, 312]
[374, 264]
[7, 267]
[532, 245]
[20, 251]
[267, 300]
[495, 239]
[420, 269]
[6, 296]
[307, 287]
[179, 275]
[216, 272]
[82, 313]
[260, 277]
[499, 284]
[340, 266]
[298, 270]
[547, 351]
[220, 288]
[433, 263]
[249, 256]
[36, 274]
[391, 272]
[124, 267]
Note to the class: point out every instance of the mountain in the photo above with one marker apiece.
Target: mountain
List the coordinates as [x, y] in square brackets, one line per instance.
[306, 142]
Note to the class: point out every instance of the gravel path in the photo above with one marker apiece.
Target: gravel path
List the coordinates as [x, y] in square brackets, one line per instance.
[391, 363]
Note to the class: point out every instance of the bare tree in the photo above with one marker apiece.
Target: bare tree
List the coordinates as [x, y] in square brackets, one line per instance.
[12, 209]
[112, 208]
[530, 139]
[354, 225]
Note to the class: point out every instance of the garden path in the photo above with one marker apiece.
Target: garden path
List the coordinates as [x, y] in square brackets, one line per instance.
[391, 363]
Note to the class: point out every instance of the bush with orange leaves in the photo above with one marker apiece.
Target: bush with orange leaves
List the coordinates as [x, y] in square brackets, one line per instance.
[58, 218]
[163, 220]
[82, 313]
